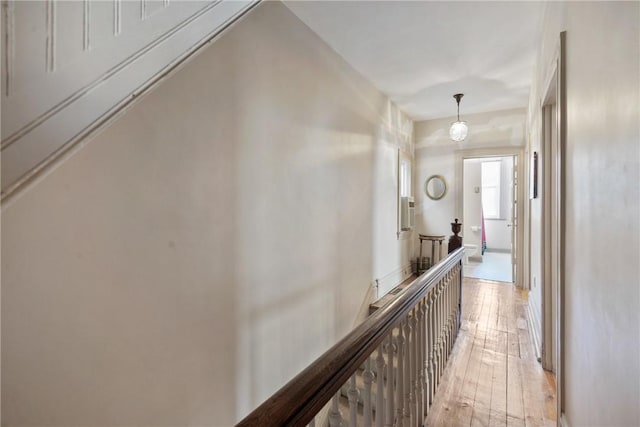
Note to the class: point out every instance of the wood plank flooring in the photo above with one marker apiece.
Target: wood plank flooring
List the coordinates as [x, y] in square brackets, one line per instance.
[493, 377]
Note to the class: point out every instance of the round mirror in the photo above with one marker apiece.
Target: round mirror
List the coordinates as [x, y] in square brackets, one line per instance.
[435, 187]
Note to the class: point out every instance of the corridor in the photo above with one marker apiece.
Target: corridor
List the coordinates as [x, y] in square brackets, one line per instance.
[493, 378]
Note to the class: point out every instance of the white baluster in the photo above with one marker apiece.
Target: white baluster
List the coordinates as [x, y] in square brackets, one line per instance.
[457, 297]
[414, 369]
[444, 326]
[440, 335]
[423, 357]
[450, 317]
[400, 343]
[389, 409]
[452, 310]
[353, 395]
[459, 286]
[443, 319]
[430, 341]
[445, 329]
[367, 376]
[407, 368]
[428, 348]
[380, 387]
[419, 363]
[437, 335]
[449, 314]
[335, 416]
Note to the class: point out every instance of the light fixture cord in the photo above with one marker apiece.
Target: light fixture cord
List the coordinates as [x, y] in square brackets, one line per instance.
[458, 109]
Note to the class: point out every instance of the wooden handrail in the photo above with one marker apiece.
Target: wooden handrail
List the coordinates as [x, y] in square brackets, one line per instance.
[298, 401]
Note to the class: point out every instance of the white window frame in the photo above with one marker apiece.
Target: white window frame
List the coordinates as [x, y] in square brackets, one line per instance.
[405, 187]
[497, 187]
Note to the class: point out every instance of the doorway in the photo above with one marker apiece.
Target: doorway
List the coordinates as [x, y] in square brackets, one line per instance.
[489, 188]
[553, 115]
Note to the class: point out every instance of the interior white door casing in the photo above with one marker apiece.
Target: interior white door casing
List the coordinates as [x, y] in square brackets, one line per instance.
[517, 154]
[553, 142]
[515, 219]
[68, 65]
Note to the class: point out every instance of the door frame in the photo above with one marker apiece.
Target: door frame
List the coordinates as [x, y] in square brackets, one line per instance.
[476, 153]
[553, 130]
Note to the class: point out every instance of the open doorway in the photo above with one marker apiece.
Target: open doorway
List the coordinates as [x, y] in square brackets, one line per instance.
[489, 188]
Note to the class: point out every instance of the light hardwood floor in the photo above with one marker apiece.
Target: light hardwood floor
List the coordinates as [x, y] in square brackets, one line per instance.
[493, 377]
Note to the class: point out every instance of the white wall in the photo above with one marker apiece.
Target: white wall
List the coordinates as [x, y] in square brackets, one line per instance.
[602, 194]
[209, 244]
[437, 154]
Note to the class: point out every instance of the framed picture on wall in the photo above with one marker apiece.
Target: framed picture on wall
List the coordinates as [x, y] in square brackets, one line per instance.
[534, 176]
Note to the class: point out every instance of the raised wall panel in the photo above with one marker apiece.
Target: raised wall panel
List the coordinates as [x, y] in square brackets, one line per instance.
[101, 24]
[152, 7]
[67, 65]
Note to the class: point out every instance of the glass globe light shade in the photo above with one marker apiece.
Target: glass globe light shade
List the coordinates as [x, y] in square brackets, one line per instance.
[458, 131]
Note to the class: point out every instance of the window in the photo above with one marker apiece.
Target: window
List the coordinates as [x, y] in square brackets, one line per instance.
[406, 205]
[491, 189]
[405, 177]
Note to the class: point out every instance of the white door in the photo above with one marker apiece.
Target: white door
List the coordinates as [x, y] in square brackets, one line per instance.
[514, 220]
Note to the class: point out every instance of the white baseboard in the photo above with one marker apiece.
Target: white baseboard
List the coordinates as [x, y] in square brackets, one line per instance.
[563, 421]
[535, 329]
[499, 250]
[369, 298]
[389, 281]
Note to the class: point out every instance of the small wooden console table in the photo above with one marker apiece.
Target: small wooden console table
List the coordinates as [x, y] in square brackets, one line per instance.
[436, 250]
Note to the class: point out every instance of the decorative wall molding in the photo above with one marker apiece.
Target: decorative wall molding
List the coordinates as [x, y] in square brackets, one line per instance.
[117, 17]
[143, 10]
[86, 25]
[48, 111]
[8, 38]
[51, 35]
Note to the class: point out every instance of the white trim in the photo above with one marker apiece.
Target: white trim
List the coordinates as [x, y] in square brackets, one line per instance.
[563, 421]
[45, 139]
[553, 213]
[498, 250]
[392, 279]
[8, 44]
[369, 298]
[406, 156]
[518, 152]
[534, 328]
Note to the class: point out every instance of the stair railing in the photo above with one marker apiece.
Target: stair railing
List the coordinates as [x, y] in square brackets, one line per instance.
[402, 348]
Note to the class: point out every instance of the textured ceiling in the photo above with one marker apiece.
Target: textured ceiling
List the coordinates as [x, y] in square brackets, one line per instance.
[421, 53]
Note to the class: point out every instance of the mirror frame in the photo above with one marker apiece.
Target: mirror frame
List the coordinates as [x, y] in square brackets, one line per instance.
[426, 187]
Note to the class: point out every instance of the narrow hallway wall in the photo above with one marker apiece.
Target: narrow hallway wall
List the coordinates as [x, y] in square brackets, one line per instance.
[602, 206]
[206, 246]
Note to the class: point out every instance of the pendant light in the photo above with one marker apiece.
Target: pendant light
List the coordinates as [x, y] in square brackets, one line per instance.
[458, 130]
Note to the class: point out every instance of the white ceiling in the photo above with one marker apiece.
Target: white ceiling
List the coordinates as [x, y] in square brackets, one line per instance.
[421, 53]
